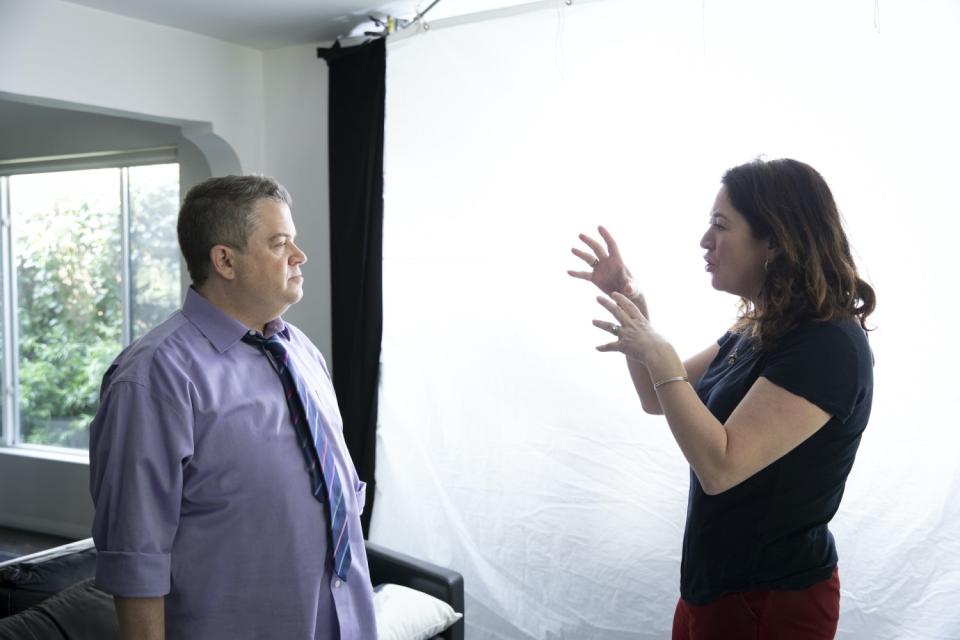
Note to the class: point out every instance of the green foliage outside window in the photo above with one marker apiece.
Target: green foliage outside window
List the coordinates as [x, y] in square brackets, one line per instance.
[70, 309]
[154, 252]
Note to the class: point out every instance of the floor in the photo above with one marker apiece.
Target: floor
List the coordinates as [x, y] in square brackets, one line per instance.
[16, 542]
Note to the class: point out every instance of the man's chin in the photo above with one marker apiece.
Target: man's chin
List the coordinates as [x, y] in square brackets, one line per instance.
[295, 295]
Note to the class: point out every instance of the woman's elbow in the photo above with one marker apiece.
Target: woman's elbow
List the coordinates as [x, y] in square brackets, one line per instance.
[652, 408]
[712, 489]
[715, 484]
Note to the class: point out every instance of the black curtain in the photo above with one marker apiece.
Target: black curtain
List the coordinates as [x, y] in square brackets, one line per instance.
[356, 97]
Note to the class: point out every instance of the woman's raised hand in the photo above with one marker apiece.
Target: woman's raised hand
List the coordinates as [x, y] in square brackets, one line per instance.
[607, 269]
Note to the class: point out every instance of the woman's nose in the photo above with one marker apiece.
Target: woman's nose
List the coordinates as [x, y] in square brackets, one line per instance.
[706, 242]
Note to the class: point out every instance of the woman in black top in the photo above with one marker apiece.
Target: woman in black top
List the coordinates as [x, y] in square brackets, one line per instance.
[770, 416]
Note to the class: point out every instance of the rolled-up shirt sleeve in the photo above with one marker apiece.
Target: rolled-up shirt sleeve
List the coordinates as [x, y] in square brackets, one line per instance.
[140, 442]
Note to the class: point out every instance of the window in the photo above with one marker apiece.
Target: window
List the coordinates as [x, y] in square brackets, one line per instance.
[90, 263]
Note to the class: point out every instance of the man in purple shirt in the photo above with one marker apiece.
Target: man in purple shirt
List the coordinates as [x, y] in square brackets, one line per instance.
[206, 526]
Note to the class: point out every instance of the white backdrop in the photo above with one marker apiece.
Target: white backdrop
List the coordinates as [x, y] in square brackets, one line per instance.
[513, 451]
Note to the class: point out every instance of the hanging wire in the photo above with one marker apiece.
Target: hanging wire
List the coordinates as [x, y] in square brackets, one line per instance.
[418, 19]
[876, 15]
[558, 42]
[703, 26]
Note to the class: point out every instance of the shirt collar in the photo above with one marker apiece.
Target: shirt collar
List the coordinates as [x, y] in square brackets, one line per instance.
[222, 330]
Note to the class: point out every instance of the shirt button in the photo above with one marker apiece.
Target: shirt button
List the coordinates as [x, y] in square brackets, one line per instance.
[337, 583]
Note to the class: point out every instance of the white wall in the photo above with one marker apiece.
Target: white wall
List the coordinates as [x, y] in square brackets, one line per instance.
[64, 53]
[295, 152]
[244, 110]
[44, 495]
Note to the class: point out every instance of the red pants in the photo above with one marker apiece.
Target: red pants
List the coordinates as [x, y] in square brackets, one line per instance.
[767, 614]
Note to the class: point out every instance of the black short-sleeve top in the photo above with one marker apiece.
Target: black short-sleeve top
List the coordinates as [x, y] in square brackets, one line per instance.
[770, 531]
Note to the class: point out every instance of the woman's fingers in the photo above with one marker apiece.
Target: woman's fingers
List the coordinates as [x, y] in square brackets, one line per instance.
[626, 304]
[598, 249]
[607, 326]
[608, 238]
[583, 275]
[620, 314]
[610, 346]
[589, 258]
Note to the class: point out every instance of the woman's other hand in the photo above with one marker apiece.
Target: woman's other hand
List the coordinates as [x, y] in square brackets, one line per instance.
[607, 269]
[636, 338]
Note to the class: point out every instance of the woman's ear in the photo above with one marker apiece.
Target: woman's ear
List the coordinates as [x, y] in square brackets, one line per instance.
[223, 261]
[772, 250]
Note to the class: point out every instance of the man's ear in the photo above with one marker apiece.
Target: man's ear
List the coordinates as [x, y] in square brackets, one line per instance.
[223, 261]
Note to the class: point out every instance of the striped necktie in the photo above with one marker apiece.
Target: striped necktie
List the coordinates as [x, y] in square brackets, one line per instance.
[325, 481]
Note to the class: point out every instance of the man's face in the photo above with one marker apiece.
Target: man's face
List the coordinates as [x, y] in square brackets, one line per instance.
[268, 278]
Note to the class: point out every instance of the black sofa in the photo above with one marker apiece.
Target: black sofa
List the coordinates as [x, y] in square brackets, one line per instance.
[50, 595]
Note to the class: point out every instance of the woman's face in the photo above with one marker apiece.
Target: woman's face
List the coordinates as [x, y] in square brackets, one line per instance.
[735, 258]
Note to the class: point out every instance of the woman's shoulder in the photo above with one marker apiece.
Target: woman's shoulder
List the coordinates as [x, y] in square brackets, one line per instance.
[827, 362]
[830, 339]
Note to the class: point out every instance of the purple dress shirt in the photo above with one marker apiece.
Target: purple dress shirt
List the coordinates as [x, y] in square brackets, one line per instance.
[202, 494]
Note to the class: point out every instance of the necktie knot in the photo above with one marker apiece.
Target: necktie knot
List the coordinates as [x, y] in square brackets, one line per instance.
[271, 344]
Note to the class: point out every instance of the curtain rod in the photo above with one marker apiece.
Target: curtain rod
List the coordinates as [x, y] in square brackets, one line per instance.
[391, 24]
[494, 14]
[452, 21]
[420, 15]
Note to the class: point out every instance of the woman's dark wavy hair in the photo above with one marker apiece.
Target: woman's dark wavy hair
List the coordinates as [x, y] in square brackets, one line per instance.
[813, 276]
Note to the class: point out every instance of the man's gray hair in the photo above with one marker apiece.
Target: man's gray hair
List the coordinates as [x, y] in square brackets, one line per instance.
[221, 211]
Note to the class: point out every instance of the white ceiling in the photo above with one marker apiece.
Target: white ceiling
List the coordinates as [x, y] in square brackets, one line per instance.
[270, 24]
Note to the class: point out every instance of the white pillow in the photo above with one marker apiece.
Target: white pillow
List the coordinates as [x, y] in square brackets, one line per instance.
[408, 614]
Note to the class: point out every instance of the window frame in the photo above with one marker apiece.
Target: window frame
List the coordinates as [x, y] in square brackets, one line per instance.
[10, 436]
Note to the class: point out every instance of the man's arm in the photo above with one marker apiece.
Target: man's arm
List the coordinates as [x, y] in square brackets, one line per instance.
[140, 618]
[138, 444]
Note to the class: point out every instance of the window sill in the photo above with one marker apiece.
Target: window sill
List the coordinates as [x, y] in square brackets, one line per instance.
[74, 456]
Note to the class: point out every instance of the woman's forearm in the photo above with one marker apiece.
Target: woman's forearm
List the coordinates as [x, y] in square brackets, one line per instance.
[638, 372]
[701, 437]
[644, 386]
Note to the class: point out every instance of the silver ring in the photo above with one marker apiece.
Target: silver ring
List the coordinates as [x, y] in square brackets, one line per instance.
[595, 263]
[615, 330]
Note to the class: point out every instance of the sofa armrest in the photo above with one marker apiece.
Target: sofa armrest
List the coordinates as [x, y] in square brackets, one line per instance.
[29, 580]
[49, 554]
[80, 612]
[387, 565]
